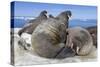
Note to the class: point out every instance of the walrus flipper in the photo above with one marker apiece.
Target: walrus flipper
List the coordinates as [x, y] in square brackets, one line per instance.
[65, 52]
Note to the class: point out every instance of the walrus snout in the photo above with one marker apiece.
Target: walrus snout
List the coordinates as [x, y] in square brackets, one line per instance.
[80, 40]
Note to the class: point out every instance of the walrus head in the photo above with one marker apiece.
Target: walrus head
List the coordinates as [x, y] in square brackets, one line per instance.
[69, 14]
[43, 15]
[64, 16]
[43, 12]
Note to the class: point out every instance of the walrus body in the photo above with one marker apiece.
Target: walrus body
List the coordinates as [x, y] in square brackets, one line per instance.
[32, 24]
[80, 40]
[93, 31]
[46, 39]
[49, 37]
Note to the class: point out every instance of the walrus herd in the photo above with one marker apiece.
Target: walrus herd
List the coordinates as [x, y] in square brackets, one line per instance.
[52, 38]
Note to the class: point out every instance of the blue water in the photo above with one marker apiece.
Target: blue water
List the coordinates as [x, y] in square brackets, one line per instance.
[18, 23]
[83, 23]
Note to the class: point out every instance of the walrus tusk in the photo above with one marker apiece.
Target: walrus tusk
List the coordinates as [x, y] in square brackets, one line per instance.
[77, 50]
[72, 46]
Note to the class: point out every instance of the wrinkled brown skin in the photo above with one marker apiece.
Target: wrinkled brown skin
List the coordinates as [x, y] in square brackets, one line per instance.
[93, 31]
[49, 37]
[32, 24]
[80, 41]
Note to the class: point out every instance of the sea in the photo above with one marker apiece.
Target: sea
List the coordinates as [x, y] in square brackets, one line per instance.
[19, 23]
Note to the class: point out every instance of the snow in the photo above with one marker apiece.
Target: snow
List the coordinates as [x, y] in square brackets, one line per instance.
[28, 57]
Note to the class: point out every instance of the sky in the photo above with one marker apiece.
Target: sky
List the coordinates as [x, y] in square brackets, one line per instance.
[33, 9]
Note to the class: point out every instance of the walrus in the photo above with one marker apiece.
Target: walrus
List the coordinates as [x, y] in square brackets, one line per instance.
[48, 38]
[93, 31]
[31, 25]
[80, 40]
